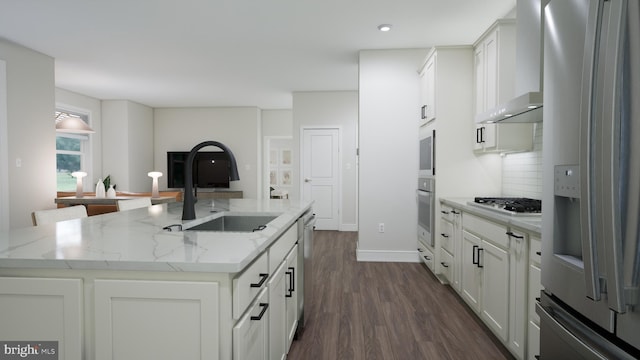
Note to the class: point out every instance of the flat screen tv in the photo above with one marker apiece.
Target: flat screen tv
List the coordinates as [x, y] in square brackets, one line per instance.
[210, 169]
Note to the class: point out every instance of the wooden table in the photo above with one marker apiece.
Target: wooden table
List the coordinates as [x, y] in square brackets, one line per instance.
[92, 200]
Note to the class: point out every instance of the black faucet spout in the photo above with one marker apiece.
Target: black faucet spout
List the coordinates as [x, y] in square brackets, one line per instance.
[188, 206]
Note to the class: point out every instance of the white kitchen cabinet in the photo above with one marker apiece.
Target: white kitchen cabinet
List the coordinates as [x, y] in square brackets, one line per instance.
[494, 83]
[494, 300]
[450, 236]
[277, 314]
[471, 278]
[35, 309]
[535, 286]
[518, 276]
[428, 89]
[248, 284]
[137, 319]
[486, 245]
[426, 255]
[251, 333]
[291, 296]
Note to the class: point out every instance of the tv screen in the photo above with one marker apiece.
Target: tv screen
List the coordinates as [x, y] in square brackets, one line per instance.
[210, 169]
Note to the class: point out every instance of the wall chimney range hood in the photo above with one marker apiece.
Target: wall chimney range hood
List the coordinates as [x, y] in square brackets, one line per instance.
[527, 106]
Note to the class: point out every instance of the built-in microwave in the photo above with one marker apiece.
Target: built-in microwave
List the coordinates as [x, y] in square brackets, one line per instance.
[427, 155]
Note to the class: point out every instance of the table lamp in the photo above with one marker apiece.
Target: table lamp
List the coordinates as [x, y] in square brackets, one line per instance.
[79, 175]
[154, 188]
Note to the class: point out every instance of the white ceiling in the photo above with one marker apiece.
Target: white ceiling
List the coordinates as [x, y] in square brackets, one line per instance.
[183, 53]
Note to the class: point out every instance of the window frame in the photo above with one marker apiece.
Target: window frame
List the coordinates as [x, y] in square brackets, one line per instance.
[86, 159]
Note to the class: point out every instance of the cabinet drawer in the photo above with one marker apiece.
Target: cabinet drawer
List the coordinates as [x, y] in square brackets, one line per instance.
[534, 250]
[248, 284]
[446, 235]
[251, 333]
[446, 262]
[446, 212]
[533, 345]
[279, 250]
[426, 255]
[486, 229]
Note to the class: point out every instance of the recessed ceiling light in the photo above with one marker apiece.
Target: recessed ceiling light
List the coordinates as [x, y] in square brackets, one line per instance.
[384, 27]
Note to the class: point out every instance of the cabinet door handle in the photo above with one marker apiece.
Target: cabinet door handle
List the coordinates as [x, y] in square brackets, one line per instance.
[480, 249]
[455, 212]
[427, 258]
[424, 111]
[263, 277]
[474, 259]
[444, 264]
[482, 134]
[444, 212]
[264, 306]
[444, 235]
[292, 276]
[478, 141]
[514, 235]
[538, 253]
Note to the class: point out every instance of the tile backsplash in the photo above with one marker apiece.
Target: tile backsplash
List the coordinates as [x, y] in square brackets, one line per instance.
[522, 172]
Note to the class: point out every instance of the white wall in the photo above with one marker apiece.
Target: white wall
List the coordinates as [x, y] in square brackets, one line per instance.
[389, 112]
[325, 109]
[30, 123]
[127, 138]
[73, 101]
[239, 128]
[4, 150]
[277, 122]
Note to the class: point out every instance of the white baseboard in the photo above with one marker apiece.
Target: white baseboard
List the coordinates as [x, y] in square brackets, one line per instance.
[387, 256]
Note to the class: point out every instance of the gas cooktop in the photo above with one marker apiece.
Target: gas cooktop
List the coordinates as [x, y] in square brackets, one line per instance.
[510, 205]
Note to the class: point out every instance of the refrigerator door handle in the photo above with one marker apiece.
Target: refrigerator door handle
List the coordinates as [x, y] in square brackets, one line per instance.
[588, 134]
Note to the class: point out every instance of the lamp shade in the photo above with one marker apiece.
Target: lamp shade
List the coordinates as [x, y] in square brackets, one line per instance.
[73, 125]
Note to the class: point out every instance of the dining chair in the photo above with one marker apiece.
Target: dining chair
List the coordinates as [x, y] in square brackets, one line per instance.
[41, 217]
[129, 204]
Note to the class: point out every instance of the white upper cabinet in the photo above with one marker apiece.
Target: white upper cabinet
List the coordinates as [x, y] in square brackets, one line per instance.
[428, 89]
[494, 80]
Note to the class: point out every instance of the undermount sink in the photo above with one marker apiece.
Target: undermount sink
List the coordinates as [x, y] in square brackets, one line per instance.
[235, 222]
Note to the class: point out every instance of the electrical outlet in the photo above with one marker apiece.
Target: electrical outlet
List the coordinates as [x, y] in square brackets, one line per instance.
[381, 227]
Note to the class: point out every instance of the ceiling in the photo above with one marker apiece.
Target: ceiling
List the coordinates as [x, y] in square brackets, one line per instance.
[191, 53]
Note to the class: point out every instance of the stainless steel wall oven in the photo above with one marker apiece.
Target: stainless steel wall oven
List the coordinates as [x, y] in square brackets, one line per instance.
[426, 209]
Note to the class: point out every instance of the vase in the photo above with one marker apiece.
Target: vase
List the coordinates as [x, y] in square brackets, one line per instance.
[100, 192]
[111, 193]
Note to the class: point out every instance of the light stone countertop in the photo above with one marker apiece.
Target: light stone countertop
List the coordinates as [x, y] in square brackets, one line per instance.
[532, 224]
[135, 239]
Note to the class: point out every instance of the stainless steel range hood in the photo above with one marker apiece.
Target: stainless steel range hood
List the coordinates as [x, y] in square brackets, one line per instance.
[527, 106]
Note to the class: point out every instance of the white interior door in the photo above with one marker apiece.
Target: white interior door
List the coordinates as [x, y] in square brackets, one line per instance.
[321, 175]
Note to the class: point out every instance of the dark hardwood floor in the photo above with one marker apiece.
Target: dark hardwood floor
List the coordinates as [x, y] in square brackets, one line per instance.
[366, 310]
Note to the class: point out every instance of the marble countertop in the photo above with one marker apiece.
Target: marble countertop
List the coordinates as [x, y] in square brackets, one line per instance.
[531, 223]
[135, 239]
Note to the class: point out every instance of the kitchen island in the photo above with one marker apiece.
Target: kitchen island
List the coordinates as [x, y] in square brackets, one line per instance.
[132, 285]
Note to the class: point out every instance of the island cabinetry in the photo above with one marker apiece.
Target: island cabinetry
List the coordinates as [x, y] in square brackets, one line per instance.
[291, 295]
[137, 319]
[277, 314]
[248, 284]
[251, 333]
[37, 309]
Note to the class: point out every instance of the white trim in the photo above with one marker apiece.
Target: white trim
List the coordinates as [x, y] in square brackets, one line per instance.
[86, 148]
[4, 150]
[387, 256]
[300, 165]
[266, 146]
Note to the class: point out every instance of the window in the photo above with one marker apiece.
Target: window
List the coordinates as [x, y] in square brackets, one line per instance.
[71, 154]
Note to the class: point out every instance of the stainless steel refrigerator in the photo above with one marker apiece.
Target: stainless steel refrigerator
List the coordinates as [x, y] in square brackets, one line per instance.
[590, 305]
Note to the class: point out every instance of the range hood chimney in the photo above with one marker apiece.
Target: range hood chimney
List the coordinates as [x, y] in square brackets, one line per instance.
[526, 107]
